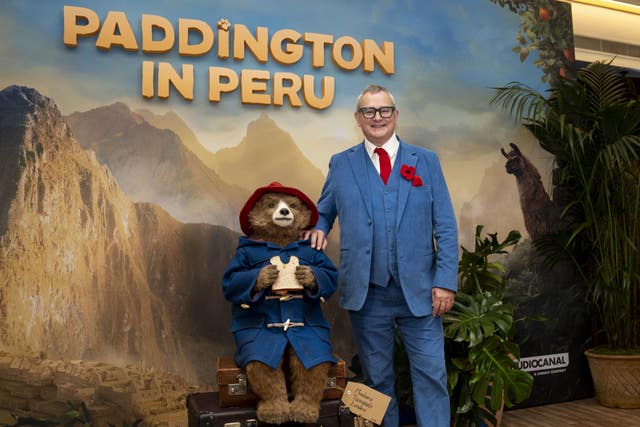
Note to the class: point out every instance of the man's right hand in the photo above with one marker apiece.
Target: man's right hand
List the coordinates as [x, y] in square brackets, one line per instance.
[318, 239]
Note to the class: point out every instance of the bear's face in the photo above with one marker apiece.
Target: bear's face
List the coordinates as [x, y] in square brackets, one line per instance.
[279, 218]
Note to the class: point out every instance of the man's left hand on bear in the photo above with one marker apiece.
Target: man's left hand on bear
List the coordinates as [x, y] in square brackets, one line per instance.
[282, 327]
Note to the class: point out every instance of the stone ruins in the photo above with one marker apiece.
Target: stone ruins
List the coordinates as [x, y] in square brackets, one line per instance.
[37, 387]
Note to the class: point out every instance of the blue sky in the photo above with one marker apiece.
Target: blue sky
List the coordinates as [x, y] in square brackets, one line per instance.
[448, 54]
[468, 41]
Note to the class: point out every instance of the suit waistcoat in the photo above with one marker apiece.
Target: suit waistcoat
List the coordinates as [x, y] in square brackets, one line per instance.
[384, 204]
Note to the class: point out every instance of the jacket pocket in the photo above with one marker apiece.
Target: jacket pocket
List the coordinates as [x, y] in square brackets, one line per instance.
[317, 323]
[322, 332]
[246, 328]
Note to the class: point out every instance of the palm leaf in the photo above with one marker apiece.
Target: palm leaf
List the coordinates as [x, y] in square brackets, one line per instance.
[520, 101]
[591, 125]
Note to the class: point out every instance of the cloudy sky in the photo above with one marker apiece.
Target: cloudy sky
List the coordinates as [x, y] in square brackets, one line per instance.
[448, 55]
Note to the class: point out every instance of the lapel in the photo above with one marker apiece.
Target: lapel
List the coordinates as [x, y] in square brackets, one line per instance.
[406, 156]
[358, 158]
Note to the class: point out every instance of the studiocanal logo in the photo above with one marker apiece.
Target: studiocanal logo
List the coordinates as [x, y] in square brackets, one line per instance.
[545, 364]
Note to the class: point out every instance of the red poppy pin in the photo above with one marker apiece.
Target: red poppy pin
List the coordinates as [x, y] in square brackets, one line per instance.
[409, 173]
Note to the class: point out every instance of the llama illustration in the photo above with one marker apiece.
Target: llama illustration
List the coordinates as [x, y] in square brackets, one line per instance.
[540, 214]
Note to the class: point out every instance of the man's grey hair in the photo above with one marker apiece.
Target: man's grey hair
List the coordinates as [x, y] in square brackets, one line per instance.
[373, 89]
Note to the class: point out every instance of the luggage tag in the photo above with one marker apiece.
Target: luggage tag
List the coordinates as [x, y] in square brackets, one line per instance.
[365, 402]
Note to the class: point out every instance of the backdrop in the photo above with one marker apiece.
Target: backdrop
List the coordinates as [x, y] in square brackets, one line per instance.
[131, 133]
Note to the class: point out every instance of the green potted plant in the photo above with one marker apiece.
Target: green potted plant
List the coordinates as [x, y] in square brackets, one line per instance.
[482, 359]
[591, 124]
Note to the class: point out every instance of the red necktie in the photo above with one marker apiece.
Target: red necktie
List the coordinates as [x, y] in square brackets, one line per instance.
[385, 164]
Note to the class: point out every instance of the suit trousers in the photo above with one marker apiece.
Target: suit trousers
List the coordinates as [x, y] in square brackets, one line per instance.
[373, 331]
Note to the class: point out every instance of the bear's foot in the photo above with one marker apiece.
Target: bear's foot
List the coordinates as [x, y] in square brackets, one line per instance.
[304, 412]
[273, 411]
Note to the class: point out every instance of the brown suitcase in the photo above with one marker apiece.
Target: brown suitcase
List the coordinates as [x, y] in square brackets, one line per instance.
[234, 389]
[204, 411]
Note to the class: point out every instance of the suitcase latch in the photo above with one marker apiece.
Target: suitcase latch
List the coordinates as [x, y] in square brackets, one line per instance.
[250, 423]
[239, 388]
[331, 383]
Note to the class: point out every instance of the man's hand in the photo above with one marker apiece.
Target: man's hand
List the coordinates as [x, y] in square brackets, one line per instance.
[441, 300]
[318, 239]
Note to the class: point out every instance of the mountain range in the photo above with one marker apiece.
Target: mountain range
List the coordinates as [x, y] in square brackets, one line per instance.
[267, 154]
[86, 273]
[153, 165]
[93, 264]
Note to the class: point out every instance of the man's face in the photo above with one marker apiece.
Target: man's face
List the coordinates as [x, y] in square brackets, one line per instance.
[377, 130]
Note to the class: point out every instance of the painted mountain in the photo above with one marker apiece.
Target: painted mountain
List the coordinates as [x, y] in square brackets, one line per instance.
[174, 122]
[153, 165]
[87, 274]
[264, 140]
[267, 154]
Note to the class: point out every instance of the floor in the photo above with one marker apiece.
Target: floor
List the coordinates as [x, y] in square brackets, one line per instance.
[582, 413]
[578, 413]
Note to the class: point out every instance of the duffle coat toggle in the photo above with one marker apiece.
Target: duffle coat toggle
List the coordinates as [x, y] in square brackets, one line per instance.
[285, 297]
[286, 325]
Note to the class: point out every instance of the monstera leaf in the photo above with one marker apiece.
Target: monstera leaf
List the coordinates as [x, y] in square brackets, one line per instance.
[474, 318]
[496, 374]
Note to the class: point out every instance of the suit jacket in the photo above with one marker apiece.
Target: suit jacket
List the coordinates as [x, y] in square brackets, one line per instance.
[252, 312]
[427, 236]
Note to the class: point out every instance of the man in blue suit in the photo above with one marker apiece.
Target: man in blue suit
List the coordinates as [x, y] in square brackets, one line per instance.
[398, 254]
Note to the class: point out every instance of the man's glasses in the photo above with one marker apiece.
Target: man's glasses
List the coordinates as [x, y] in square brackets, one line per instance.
[370, 112]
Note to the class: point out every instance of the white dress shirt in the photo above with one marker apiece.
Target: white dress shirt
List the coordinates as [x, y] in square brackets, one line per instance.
[391, 147]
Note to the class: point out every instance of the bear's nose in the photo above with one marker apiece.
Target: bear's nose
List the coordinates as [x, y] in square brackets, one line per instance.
[284, 211]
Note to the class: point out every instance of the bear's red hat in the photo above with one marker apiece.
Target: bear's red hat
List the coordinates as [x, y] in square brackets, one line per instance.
[275, 187]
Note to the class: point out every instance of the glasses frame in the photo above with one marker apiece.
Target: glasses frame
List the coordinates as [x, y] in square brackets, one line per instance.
[362, 110]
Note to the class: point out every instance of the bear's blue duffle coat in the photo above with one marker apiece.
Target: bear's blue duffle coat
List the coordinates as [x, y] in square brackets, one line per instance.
[252, 312]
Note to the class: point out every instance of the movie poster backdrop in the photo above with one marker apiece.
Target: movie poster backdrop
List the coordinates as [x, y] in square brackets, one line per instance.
[131, 133]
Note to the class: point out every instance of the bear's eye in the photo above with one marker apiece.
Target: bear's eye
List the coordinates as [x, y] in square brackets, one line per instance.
[293, 206]
[271, 205]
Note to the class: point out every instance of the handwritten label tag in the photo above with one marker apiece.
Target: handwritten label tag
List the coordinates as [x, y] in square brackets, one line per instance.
[365, 401]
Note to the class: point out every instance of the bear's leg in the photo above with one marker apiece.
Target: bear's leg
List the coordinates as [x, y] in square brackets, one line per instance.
[270, 387]
[307, 387]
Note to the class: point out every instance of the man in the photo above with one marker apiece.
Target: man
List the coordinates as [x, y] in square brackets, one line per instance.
[398, 254]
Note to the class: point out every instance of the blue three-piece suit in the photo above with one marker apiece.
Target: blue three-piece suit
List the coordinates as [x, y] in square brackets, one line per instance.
[397, 241]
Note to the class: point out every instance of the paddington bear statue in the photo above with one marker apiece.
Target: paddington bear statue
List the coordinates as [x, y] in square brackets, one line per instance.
[276, 283]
